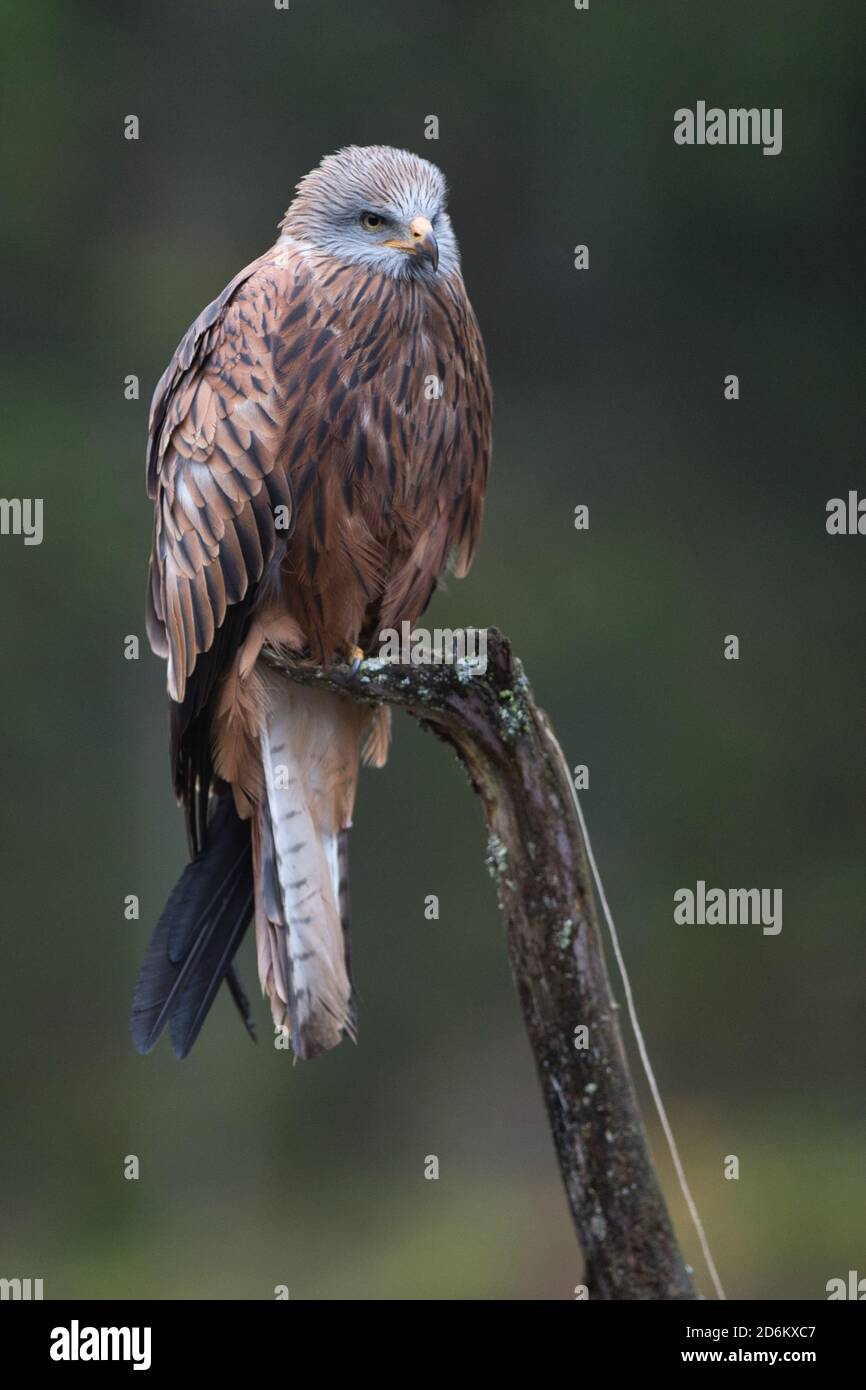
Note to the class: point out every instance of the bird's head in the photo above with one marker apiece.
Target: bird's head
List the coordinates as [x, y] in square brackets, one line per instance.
[378, 207]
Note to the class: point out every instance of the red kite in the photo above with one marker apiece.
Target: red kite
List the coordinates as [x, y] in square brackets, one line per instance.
[317, 456]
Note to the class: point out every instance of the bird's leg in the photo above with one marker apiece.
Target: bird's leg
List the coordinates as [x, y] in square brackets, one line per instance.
[354, 657]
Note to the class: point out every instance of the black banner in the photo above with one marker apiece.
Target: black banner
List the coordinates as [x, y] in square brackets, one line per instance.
[224, 1338]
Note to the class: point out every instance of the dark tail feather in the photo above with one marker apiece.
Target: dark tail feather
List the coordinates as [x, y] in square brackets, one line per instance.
[196, 937]
[242, 1003]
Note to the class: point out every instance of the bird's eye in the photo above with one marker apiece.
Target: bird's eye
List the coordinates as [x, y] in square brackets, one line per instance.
[371, 221]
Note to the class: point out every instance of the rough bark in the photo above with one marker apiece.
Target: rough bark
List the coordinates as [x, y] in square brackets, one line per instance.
[536, 856]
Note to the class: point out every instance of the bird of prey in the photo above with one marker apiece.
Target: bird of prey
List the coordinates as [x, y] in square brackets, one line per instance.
[317, 456]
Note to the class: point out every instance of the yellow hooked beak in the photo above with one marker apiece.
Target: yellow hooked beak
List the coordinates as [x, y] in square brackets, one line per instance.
[423, 244]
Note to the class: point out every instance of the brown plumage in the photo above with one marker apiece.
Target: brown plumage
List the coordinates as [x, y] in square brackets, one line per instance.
[318, 452]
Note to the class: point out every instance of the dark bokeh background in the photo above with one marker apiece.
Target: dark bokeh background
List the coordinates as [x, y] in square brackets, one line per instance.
[707, 518]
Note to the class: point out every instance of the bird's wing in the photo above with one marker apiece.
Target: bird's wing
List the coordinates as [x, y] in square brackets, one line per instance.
[213, 468]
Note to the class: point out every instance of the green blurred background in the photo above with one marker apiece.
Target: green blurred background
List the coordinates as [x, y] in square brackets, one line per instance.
[707, 518]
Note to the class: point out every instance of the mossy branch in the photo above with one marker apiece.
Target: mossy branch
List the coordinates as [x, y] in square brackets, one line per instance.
[537, 857]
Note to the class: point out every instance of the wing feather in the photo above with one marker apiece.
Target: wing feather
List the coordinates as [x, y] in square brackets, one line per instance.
[216, 467]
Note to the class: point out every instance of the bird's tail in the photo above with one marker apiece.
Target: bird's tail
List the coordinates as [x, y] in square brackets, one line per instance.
[196, 937]
[310, 741]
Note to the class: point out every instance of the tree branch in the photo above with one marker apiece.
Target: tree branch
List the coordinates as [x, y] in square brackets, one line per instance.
[537, 858]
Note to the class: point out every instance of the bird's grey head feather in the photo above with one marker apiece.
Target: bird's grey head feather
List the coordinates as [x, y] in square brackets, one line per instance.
[362, 197]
